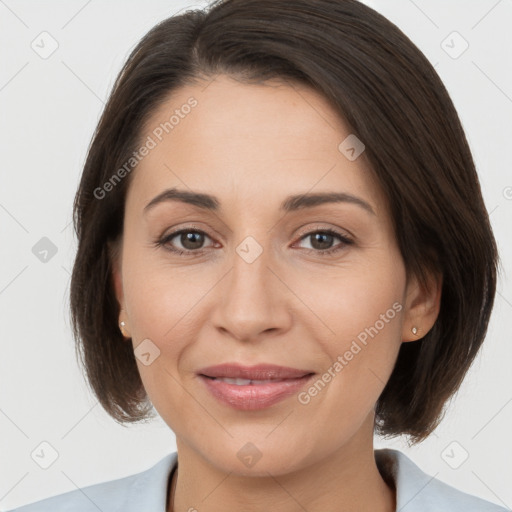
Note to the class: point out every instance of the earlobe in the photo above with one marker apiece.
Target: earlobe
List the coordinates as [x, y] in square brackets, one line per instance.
[123, 328]
[423, 302]
[118, 287]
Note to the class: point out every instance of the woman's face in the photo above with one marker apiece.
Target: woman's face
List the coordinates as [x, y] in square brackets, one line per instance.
[256, 283]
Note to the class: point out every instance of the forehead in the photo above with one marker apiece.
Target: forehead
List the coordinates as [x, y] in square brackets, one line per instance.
[253, 141]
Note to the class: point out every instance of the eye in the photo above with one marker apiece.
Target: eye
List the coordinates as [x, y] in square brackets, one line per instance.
[191, 241]
[321, 241]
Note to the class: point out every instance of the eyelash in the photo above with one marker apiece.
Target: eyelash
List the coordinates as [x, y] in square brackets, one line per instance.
[162, 242]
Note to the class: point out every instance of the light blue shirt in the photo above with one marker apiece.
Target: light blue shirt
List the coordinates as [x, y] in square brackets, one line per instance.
[147, 491]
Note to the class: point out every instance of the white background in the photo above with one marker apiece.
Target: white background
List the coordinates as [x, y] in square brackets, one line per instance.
[49, 109]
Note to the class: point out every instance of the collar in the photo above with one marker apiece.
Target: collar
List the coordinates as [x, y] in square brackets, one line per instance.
[416, 491]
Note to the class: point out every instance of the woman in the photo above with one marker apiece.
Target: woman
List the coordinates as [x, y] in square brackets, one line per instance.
[283, 249]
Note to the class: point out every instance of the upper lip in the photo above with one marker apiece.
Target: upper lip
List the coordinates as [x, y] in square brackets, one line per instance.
[257, 372]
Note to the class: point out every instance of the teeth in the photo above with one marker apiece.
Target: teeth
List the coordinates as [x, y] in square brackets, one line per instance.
[243, 382]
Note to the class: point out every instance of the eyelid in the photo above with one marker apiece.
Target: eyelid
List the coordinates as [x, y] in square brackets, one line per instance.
[322, 227]
[302, 231]
[174, 232]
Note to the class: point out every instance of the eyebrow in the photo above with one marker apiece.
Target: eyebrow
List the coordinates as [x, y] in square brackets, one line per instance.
[290, 204]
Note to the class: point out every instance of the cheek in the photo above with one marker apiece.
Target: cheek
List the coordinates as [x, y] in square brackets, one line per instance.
[164, 309]
[358, 319]
[346, 301]
[161, 298]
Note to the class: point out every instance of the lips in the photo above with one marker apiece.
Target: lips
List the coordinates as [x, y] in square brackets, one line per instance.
[250, 388]
[260, 372]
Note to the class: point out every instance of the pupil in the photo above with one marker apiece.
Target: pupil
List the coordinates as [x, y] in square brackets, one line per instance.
[322, 237]
[187, 239]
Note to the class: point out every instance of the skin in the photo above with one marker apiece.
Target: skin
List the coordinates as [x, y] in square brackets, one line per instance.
[251, 146]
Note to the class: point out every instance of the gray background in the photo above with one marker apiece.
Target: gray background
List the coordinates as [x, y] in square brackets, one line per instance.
[49, 109]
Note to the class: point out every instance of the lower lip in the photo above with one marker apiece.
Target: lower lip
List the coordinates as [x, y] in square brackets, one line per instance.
[253, 397]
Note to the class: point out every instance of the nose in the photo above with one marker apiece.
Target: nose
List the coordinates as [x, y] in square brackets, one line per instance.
[252, 300]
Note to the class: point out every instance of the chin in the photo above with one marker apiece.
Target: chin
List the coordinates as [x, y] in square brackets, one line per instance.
[257, 458]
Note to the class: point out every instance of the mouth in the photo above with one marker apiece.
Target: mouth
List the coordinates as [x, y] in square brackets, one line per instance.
[256, 373]
[253, 388]
[251, 382]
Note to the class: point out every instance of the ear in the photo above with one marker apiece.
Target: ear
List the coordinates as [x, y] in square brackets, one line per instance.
[422, 305]
[114, 250]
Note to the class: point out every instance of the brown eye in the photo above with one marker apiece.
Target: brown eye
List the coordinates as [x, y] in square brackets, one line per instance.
[191, 239]
[321, 241]
[185, 241]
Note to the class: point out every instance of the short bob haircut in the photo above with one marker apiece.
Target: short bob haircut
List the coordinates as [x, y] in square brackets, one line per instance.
[391, 98]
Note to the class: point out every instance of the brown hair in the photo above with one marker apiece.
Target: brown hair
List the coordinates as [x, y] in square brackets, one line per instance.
[393, 100]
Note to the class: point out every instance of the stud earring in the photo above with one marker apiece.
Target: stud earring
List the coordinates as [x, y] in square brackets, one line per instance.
[121, 328]
[414, 330]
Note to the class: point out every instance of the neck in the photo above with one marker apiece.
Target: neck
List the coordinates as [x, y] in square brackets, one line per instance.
[345, 480]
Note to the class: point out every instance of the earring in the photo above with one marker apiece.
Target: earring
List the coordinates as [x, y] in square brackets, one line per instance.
[414, 330]
[122, 326]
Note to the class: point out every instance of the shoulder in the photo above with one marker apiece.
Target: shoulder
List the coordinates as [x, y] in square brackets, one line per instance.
[146, 490]
[417, 491]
